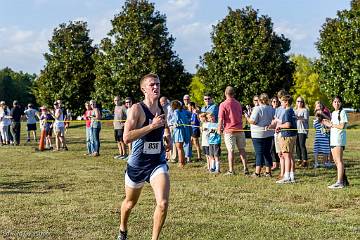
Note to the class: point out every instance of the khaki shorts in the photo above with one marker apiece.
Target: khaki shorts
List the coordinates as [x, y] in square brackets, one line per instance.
[288, 144]
[233, 140]
[277, 137]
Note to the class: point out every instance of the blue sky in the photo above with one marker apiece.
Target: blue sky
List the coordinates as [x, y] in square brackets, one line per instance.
[27, 25]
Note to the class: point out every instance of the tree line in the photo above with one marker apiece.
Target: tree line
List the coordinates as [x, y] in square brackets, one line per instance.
[246, 53]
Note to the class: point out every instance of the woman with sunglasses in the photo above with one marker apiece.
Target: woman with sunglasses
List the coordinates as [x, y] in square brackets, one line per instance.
[302, 124]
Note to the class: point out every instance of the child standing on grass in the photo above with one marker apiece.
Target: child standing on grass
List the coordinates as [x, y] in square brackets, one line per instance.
[195, 135]
[321, 139]
[288, 139]
[214, 143]
[46, 122]
[337, 126]
[205, 138]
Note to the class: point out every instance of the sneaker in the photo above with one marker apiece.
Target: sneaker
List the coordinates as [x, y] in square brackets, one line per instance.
[267, 174]
[304, 164]
[336, 185]
[284, 181]
[122, 235]
[292, 180]
[328, 165]
[255, 175]
[123, 156]
[229, 173]
[246, 171]
[317, 165]
[117, 157]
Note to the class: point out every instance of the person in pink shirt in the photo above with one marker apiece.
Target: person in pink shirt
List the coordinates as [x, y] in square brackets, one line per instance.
[230, 122]
[87, 119]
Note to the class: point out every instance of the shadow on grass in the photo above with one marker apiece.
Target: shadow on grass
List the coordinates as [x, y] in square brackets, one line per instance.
[30, 187]
[77, 125]
[353, 126]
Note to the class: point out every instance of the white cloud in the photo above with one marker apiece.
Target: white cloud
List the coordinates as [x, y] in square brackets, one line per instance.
[192, 41]
[295, 33]
[23, 49]
[20, 36]
[80, 19]
[100, 28]
[180, 10]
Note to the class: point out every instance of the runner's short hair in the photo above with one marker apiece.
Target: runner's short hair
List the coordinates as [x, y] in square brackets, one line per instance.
[150, 75]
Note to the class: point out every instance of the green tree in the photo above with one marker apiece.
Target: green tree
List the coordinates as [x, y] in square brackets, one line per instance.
[339, 63]
[197, 90]
[68, 73]
[306, 81]
[138, 44]
[248, 55]
[16, 86]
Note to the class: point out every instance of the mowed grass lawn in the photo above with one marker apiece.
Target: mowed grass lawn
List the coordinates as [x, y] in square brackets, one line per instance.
[65, 195]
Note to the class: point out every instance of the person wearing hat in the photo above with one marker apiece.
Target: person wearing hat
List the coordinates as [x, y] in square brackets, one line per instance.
[15, 116]
[59, 127]
[46, 122]
[31, 114]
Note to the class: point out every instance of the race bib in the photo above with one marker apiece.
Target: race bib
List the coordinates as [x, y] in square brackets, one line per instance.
[152, 147]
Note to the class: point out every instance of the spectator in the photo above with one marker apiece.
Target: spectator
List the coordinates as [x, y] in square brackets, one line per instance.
[46, 122]
[95, 128]
[181, 134]
[288, 140]
[323, 108]
[87, 118]
[210, 106]
[205, 138]
[59, 128]
[302, 124]
[278, 119]
[230, 122]
[31, 115]
[186, 101]
[261, 117]
[4, 123]
[214, 143]
[195, 134]
[15, 115]
[165, 104]
[128, 104]
[322, 138]
[337, 125]
[119, 122]
[275, 103]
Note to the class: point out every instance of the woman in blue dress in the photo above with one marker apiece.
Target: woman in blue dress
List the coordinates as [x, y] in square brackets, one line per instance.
[181, 134]
[322, 139]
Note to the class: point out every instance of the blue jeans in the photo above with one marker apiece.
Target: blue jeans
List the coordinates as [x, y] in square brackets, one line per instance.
[95, 139]
[88, 140]
[262, 147]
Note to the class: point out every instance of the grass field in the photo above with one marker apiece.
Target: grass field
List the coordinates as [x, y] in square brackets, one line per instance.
[65, 195]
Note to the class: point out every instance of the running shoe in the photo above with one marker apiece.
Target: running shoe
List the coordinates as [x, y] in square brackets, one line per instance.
[336, 185]
[284, 181]
[122, 235]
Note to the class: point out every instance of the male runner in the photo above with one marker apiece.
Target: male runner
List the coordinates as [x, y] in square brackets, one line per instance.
[145, 127]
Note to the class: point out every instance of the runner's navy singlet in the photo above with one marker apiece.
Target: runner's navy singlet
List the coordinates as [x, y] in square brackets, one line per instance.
[147, 152]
